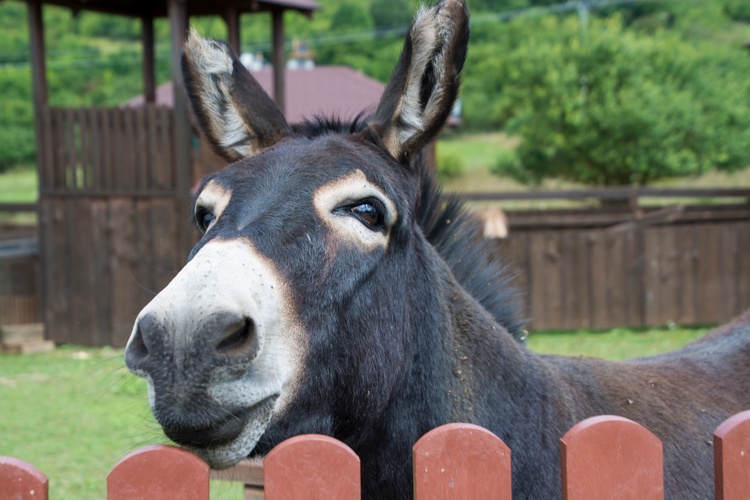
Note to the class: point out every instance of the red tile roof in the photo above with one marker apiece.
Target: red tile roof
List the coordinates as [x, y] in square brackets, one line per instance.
[324, 90]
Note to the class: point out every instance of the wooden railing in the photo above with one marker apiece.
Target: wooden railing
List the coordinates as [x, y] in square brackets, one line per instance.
[602, 457]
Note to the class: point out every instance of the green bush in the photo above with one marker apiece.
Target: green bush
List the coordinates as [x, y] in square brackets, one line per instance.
[450, 165]
[606, 106]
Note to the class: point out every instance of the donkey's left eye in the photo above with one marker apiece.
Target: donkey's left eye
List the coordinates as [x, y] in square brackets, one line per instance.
[204, 219]
[369, 212]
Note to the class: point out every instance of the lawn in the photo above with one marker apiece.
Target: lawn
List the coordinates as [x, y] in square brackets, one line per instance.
[76, 411]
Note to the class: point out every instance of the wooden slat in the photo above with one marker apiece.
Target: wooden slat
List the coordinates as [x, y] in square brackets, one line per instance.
[743, 267]
[159, 473]
[312, 467]
[597, 283]
[102, 264]
[732, 458]
[611, 457]
[124, 286]
[20, 480]
[709, 294]
[729, 267]
[144, 274]
[153, 149]
[553, 274]
[95, 141]
[686, 257]
[107, 172]
[141, 138]
[46, 169]
[56, 293]
[461, 461]
[537, 281]
[83, 302]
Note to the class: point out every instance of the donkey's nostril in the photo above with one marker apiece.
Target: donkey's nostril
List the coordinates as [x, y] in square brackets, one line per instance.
[239, 340]
[137, 351]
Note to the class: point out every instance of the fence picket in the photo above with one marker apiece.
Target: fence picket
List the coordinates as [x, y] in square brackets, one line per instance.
[732, 458]
[611, 457]
[22, 481]
[459, 461]
[159, 473]
[312, 467]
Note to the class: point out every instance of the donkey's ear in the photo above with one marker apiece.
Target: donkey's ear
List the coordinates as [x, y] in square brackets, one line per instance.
[232, 109]
[418, 99]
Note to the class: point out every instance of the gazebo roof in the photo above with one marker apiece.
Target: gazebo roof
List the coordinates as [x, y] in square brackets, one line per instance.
[325, 90]
[158, 8]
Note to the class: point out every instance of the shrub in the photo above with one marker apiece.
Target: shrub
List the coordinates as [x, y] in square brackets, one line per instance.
[450, 165]
[605, 106]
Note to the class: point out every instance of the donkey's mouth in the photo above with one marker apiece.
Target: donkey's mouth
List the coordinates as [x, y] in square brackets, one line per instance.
[222, 431]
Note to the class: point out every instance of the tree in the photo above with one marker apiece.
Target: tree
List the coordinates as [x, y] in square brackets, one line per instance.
[606, 106]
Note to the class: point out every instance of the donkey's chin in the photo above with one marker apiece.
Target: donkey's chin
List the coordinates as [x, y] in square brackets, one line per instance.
[223, 456]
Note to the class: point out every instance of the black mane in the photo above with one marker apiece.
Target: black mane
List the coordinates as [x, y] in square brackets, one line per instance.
[452, 231]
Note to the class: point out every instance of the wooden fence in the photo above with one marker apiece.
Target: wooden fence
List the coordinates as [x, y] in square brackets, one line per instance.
[19, 268]
[601, 457]
[113, 219]
[630, 265]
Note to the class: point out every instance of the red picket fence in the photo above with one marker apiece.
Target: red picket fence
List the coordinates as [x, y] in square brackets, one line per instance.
[602, 457]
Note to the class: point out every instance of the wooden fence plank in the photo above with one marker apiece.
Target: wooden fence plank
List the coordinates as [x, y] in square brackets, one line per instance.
[20, 480]
[732, 458]
[124, 286]
[80, 263]
[611, 457]
[537, 281]
[743, 266]
[108, 166]
[709, 295]
[102, 265]
[461, 461]
[729, 270]
[159, 473]
[57, 296]
[685, 265]
[598, 263]
[312, 467]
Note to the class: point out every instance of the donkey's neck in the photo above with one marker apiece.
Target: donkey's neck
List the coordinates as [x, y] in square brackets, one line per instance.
[465, 368]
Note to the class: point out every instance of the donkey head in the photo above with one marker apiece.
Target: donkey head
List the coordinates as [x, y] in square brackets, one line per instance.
[293, 312]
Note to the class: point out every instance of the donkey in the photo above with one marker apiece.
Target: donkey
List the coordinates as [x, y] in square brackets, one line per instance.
[333, 292]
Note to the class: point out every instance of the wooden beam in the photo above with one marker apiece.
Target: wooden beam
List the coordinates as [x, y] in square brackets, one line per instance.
[149, 73]
[232, 20]
[39, 75]
[178, 21]
[277, 59]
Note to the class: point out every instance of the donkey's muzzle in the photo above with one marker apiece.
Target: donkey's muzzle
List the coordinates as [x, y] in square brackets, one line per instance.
[160, 349]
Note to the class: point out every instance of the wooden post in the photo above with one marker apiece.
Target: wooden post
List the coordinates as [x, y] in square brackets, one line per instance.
[39, 79]
[312, 467]
[232, 20]
[149, 78]
[461, 461]
[611, 457]
[159, 473]
[178, 20]
[732, 458]
[277, 19]
[21, 480]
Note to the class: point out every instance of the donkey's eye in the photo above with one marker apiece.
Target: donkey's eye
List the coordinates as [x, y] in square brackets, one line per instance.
[369, 212]
[204, 219]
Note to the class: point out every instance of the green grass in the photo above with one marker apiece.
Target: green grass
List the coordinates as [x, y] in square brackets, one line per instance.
[617, 344]
[19, 185]
[76, 411]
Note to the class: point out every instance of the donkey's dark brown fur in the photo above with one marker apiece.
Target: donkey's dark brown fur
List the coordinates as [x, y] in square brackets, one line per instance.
[336, 292]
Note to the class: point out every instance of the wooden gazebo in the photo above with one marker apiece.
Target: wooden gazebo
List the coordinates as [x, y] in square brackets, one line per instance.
[114, 183]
